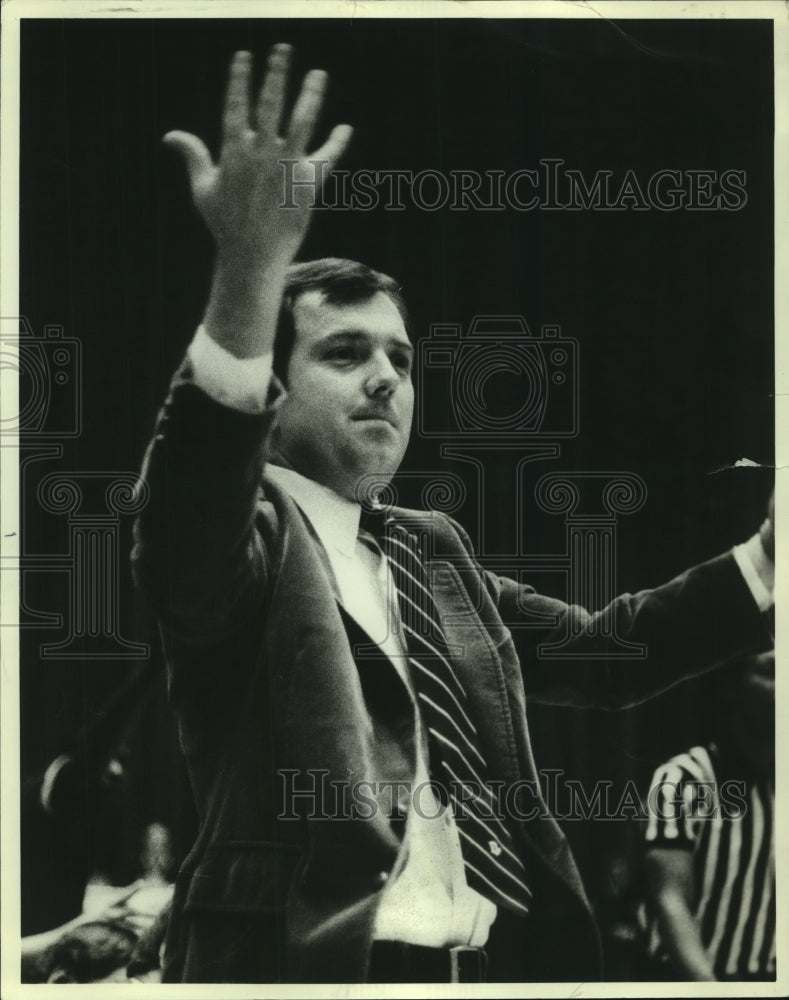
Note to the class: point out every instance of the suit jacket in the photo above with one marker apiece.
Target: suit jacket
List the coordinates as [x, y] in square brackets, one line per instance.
[270, 701]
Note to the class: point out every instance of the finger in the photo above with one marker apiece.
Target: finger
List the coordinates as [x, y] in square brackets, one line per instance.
[235, 117]
[335, 146]
[195, 155]
[308, 106]
[272, 93]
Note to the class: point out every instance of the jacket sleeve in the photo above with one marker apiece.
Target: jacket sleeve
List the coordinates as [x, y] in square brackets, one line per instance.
[199, 548]
[695, 622]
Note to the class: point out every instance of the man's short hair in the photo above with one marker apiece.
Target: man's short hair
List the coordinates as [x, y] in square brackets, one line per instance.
[343, 282]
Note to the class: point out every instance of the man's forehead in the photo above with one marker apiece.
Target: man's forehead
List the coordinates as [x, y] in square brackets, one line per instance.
[315, 318]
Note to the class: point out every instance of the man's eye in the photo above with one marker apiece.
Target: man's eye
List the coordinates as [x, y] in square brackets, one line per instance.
[342, 354]
[402, 362]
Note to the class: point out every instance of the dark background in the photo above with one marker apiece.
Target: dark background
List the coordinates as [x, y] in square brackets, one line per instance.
[673, 311]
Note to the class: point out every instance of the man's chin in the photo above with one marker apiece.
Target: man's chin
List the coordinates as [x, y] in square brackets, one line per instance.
[373, 472]
[380, 469]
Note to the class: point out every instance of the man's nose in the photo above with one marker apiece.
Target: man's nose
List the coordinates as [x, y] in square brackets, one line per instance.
[382, 378]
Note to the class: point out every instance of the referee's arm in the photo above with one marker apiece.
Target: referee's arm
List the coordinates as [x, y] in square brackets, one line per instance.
[670, 884]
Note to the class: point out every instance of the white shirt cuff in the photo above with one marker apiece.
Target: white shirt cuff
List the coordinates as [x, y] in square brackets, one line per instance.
[240, 383]
[758, 571]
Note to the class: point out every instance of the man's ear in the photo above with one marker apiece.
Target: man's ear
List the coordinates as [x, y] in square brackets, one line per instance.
[276, 393]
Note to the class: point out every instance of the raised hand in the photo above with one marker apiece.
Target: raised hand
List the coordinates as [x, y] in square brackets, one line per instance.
[258, 222]
[241, 197]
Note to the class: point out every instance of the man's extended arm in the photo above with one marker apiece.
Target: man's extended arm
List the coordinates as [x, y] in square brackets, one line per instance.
[699, 620]
[197, 554]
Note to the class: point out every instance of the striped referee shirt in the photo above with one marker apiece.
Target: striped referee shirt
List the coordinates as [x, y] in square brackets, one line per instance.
[728, 825]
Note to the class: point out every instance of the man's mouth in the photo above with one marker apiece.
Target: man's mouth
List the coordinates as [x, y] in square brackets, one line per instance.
[375, 416]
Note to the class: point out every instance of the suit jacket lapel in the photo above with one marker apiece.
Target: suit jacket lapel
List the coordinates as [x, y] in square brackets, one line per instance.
[368, 655]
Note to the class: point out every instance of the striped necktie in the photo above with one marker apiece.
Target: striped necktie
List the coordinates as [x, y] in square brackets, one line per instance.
[492, 865]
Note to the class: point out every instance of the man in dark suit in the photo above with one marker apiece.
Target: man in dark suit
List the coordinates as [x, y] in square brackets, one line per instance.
[347, 693]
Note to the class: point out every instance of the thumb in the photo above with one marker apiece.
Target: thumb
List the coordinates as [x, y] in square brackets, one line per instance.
[193, 150]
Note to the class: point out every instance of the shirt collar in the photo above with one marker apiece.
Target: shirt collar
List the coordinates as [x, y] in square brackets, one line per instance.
[335, 519]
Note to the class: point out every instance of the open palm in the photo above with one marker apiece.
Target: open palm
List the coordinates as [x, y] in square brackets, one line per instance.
[242, 197]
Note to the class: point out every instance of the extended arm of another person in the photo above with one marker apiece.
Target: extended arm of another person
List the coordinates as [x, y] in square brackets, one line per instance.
[670, 883]
[196, 553]
[37, 949]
